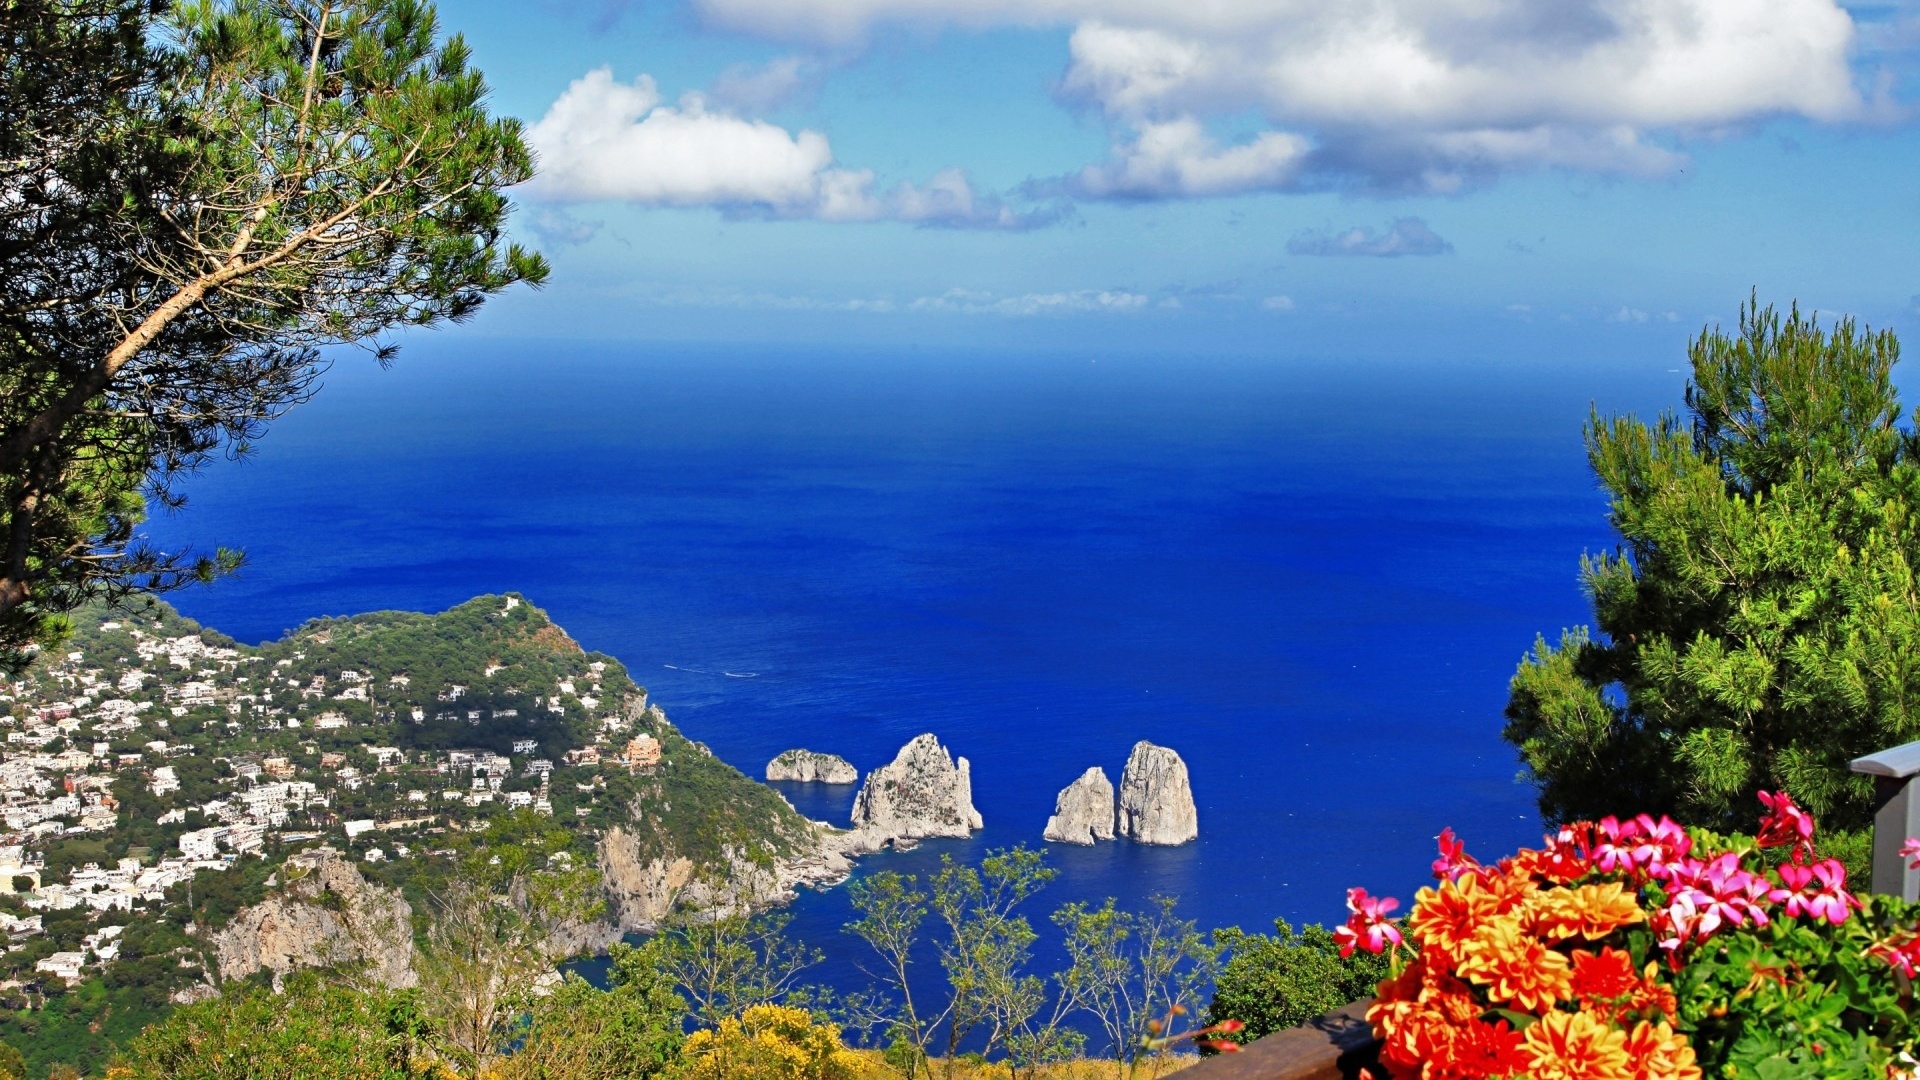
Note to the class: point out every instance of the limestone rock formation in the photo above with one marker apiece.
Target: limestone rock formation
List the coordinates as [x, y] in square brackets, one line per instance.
[326, 915]
[642, 890]
[1156, 799]
[1084, 811]
[808, 767]
[923, 793]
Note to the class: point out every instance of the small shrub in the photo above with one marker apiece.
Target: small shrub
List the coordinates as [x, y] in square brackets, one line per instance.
[1272, 982]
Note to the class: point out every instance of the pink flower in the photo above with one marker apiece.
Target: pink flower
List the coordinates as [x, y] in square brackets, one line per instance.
[1454, 860]
[1819, 890]
[1785, 823]
[1640, 845]
[1368, 927]
[1911, 850]
[1717, 893]
[1679, 921]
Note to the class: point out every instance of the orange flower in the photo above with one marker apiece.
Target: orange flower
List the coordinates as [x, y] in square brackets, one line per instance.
[1481, 1050]
[1514, 966]
[1587, 911]
[1660, 1053]
[1575, 1046]
[1605, 977]
[1445, 919]
[1411, 1034]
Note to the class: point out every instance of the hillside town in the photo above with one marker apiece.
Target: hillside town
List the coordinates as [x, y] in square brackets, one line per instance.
[149, 752]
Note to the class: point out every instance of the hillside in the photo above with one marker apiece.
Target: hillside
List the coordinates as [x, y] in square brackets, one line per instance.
[156, 776]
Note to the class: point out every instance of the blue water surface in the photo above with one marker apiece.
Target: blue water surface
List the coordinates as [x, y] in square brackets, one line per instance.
[1312, 579]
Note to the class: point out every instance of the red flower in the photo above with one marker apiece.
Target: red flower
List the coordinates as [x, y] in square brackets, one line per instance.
[1224, 1027]
[1568, 855]
[1481, 1049]
[1368, 927]
[1605, 977]
[1785, 823]
[1903, 955]
[1453, 860]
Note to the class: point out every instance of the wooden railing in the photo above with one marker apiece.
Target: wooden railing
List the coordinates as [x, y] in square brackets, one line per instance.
[1337, 1046]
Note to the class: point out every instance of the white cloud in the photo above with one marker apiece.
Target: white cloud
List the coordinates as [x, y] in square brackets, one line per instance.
[751, 89]
[1406, 236]
[735, 299]
[1408, 95]
[1635, 315]
[953, 301]
[1277, 303]
[1178, 157]
[607, 140]
[557, 228]
[970, 302]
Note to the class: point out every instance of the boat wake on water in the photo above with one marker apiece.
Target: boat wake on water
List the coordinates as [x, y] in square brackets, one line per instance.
[728, 674]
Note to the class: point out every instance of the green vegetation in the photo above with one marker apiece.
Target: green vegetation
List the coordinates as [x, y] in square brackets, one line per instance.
[314, 1030]
[495, 925]
[1272, 982]
[701, 808]
[1760, 623]
[630, 1031]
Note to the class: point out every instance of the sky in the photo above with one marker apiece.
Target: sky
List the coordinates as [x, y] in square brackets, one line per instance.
[1455, 178]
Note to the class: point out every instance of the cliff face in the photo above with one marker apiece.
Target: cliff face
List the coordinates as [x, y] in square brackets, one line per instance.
[924, 792]
[327, 915]
[640, 889]
[1156, 799]
[643, 890]
[701, 834]
[1084, 812]
[806, 766]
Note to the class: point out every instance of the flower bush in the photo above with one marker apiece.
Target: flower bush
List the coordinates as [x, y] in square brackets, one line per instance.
[768, 1042]
[1641, 950]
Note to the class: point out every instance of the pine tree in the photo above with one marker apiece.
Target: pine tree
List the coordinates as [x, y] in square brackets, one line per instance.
[195, 201]
[1759, 624]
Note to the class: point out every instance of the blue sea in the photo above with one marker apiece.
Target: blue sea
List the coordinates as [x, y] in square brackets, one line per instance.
[1311, 578]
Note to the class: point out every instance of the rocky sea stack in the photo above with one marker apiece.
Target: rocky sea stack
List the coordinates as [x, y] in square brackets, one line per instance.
[808, 767]
[1156, 799]
[1084, 812]
[923, 793]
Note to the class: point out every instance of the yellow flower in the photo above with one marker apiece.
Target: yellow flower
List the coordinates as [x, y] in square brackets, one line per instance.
[767, 1042]
[1575, 1046]
[1444, 920]
[1515, 966]
[1587, 911]
[1660, 1053]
